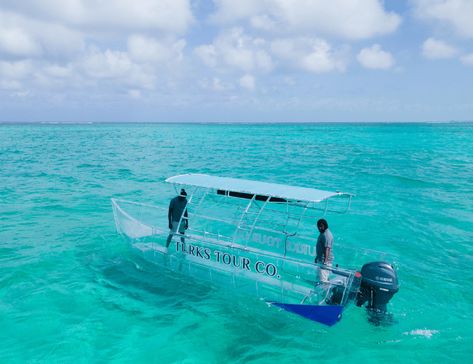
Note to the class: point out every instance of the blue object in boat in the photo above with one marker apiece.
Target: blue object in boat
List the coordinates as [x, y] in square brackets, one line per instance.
[327, 315]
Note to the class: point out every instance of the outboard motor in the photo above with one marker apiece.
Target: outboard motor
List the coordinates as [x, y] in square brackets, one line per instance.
[378, 285]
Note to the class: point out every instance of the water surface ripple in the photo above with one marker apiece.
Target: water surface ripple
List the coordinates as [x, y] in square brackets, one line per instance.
[70, 290]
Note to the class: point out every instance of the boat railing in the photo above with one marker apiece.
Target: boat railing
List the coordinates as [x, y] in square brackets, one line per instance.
[345, 255]
[300, 271]
[217, 239]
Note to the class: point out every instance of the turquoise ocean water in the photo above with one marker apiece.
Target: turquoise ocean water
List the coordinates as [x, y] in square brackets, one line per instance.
[72, 291]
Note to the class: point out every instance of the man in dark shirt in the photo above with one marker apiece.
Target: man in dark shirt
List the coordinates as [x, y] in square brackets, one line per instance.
[324, 249]
[177, 207]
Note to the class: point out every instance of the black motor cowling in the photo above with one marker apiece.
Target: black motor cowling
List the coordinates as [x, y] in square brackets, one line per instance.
[378, 285]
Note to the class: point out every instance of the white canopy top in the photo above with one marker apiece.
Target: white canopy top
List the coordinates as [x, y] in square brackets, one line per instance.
[254, 187]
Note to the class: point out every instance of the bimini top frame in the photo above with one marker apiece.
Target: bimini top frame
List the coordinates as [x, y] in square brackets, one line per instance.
[280, 192]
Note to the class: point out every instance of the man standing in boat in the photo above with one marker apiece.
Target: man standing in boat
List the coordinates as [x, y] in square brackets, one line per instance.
[177, 209]
[324, 249]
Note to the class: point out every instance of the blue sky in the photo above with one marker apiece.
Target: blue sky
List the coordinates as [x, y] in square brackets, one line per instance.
[230, 61]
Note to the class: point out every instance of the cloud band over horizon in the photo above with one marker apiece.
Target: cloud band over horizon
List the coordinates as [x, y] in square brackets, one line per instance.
[221, 60]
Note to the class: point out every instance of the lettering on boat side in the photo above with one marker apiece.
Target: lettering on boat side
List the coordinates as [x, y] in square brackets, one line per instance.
[278, 243]
[264, 239]
[233, 260]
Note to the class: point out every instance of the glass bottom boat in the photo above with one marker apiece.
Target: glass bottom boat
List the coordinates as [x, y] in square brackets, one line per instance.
[251, 236]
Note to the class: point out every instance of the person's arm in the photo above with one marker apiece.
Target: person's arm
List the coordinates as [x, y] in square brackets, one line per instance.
[170, 215]
[319, 254]
[328, 247]
[327, 254]
[186, 219]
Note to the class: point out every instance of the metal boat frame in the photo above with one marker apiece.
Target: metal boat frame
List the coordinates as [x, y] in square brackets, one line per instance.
[245, 221]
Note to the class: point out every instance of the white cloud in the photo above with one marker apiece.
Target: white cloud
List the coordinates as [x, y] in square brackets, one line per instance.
[10, 85]
[263, 22]
[236, 50]
[208, 54]
[457, 14]
[437, 49]
[228, 11]
[467, 59]
[146, 49]
[166, 15]
[24, 37]
[108, 71]
[33, 74]
[215, 84]
[93, 44]
[375, 58]
[108, 64]
[17, 42]
[58, 40]
[15, 70]
[134, 94]
[247, 82]
[351, 19]
[309, 54]
[58, 71]
[320, 59]
[14, 75]
[117, 67]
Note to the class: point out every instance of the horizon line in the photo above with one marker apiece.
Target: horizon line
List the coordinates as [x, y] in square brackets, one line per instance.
[234, 122]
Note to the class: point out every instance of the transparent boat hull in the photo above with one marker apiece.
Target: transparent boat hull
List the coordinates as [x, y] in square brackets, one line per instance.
[214, 258]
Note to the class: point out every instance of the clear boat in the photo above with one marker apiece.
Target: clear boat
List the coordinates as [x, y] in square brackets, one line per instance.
[254, 237]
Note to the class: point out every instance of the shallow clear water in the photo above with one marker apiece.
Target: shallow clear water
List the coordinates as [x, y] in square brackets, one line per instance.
[70, 289]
